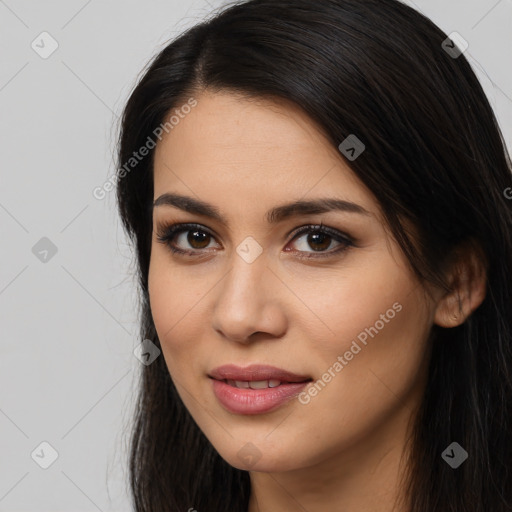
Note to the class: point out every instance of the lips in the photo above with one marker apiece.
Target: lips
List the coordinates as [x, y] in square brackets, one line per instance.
[255, 389]
[255, 376]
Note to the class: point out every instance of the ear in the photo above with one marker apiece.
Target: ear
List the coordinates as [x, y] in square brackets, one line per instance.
[467, 280]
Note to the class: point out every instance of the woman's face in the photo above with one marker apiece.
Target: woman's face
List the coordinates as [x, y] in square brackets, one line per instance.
[347, 315]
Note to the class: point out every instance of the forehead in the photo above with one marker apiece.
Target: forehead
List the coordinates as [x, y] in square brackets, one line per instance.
[230, 148]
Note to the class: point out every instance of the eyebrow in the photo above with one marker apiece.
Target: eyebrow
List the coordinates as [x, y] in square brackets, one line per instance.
[274, 216]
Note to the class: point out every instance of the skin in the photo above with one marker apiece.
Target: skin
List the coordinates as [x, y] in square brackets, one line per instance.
[343, 447]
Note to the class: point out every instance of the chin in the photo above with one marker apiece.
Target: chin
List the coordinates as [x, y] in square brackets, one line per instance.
[263, 459]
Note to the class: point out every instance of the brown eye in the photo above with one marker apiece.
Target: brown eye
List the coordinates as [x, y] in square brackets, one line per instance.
[319, 238]
[198, 239]
[319, 241]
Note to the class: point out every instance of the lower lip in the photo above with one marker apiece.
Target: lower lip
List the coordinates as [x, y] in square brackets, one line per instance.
[255, 401]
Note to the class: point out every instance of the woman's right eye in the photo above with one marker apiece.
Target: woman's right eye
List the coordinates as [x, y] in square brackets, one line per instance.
[193, 234]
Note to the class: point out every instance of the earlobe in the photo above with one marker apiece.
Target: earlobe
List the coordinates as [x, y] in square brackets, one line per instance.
[468, 281]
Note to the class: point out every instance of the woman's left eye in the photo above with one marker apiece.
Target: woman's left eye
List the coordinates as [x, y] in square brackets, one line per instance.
[318, 237]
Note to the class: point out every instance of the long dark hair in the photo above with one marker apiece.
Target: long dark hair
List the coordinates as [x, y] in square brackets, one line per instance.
[434, 157]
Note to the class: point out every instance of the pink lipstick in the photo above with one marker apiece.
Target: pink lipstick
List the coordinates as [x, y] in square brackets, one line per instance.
[255, 389]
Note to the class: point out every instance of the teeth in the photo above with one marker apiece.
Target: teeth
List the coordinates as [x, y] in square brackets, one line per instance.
[254, 384]
[258, 384]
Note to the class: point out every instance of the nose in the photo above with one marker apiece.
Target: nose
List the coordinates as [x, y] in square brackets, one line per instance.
[249, 300]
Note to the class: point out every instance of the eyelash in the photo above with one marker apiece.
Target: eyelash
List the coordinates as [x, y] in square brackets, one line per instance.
[166, 233]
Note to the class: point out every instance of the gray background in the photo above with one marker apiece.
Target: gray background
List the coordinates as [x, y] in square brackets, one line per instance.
[68, 324]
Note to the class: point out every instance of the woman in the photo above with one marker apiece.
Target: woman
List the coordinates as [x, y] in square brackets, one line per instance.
[316, 192]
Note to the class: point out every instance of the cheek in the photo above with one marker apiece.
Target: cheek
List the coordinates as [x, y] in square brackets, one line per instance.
[171, 299]
[380, 297]
[358, 396]
[378, 323]
[382, 361]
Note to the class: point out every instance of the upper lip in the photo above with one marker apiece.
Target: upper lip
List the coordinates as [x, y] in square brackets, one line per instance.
[255, 372]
